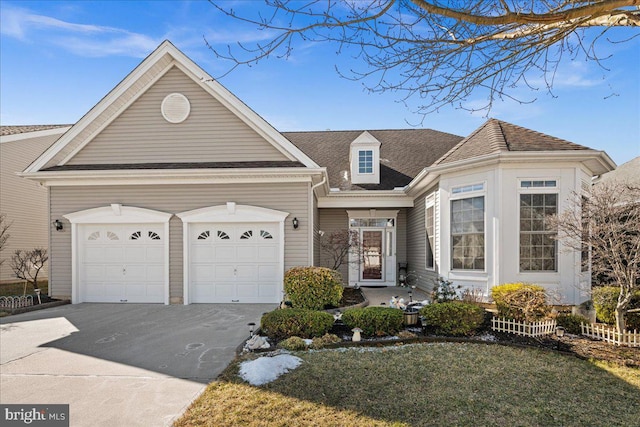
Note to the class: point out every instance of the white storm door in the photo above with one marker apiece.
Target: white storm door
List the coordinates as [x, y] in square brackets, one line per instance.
[235, 262]
[122, 263]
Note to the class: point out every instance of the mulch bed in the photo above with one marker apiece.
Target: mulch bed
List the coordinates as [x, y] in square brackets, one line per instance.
[582, 347]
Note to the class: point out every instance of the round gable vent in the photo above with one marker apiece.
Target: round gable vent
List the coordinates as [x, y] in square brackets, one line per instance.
[175, 108]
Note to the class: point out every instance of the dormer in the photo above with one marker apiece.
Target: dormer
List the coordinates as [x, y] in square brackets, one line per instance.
[364, 158]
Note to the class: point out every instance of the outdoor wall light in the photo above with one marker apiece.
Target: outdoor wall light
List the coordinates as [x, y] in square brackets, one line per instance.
[295, 222]
[58, 225]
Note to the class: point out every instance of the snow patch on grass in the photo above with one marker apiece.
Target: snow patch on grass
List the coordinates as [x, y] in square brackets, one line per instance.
[266, 369]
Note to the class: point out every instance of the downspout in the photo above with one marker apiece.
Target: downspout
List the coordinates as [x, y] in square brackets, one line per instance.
[312, 222]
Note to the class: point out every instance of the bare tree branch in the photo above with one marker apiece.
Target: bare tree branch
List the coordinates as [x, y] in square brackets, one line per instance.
[4, 234]
[439, 51]
[27, 264]
[607, 224]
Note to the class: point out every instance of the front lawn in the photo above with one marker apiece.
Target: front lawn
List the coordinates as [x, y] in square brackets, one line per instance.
[435, 384]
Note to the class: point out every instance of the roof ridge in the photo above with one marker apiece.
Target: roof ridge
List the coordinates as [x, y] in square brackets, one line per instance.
[460, 144]
[501, 143]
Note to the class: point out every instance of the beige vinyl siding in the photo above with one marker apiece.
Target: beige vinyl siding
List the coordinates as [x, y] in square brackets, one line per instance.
[330, 221]
[211, 133]
[316, 229]
[336, 219]
[23, 201]
[416, 241]
[113, 108]
[401, 238]
[287, 197]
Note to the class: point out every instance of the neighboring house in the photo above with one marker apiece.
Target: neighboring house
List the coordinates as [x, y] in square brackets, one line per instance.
[628, 173]
[171, 190]
[24, 202]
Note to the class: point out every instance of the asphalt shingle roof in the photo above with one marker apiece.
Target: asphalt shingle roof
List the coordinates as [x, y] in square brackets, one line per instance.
[403, 153]
[14, 130]
[496, 136]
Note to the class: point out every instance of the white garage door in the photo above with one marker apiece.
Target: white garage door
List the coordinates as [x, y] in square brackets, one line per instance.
[122, 263]
[235, 262]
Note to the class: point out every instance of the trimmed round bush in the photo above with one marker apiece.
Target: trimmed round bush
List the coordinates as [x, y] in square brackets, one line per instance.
[452, 318]
[313, 288]
[289, 322]
[605, 300]
[571, 322]
[521, 301]
[324, 341]
[293, 344]
[374, 321]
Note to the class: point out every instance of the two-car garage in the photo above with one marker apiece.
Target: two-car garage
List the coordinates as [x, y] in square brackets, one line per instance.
[231, 253]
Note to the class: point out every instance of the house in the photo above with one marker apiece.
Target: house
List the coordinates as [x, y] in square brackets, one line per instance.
[171, 190]
[23, 202]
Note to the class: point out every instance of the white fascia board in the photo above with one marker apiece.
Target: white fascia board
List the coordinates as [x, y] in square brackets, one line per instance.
[202, 78]
[34, 134]
[599, 160]
[368, 200]
[159, 176]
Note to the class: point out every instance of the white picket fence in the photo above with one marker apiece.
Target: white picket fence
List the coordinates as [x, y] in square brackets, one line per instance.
[609, 334]
[536, 329]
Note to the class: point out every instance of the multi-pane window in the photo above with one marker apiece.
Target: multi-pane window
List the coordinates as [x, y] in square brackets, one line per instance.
[467, 233]
[365, 161]
[430, 231]
[537, 242]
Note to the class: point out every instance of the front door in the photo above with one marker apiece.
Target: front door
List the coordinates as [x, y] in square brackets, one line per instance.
[372, 265]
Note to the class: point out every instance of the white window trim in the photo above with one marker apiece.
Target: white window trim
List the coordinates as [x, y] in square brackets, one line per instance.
[430, 202]
[364, 150]
[468, 195]
[539, 190]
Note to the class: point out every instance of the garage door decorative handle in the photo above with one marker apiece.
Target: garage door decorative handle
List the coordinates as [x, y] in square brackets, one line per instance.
[124, 270]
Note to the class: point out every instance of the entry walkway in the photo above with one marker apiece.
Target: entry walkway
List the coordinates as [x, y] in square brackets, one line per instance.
[382, 295]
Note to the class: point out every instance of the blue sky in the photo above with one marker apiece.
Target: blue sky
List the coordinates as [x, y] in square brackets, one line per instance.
[59, 58]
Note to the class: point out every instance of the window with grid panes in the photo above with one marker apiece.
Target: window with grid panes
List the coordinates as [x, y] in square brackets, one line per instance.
[538, 247]
[467, 233]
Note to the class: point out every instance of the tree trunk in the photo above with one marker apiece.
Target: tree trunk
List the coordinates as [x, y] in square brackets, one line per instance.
[620, 323]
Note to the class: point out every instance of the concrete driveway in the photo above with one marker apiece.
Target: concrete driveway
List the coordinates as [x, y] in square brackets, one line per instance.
[119, 364]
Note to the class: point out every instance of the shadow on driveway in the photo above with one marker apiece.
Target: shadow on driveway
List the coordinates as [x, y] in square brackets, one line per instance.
[194, 342]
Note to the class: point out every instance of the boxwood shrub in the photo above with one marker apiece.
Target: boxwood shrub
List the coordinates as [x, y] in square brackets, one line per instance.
[289, 322]
[521, 301]
[313, 288]
[571, 322]
[605, 300]
[374, 321]
[452, 318]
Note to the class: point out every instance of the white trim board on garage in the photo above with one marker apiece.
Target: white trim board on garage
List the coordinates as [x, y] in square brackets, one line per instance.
[120, 254]
[233, 253]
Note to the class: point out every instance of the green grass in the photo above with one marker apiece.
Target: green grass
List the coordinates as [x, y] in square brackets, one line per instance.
[452, 384]
[13, 289]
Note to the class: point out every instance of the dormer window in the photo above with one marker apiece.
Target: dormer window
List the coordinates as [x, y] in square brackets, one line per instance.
[365, 161]
[364, 157]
